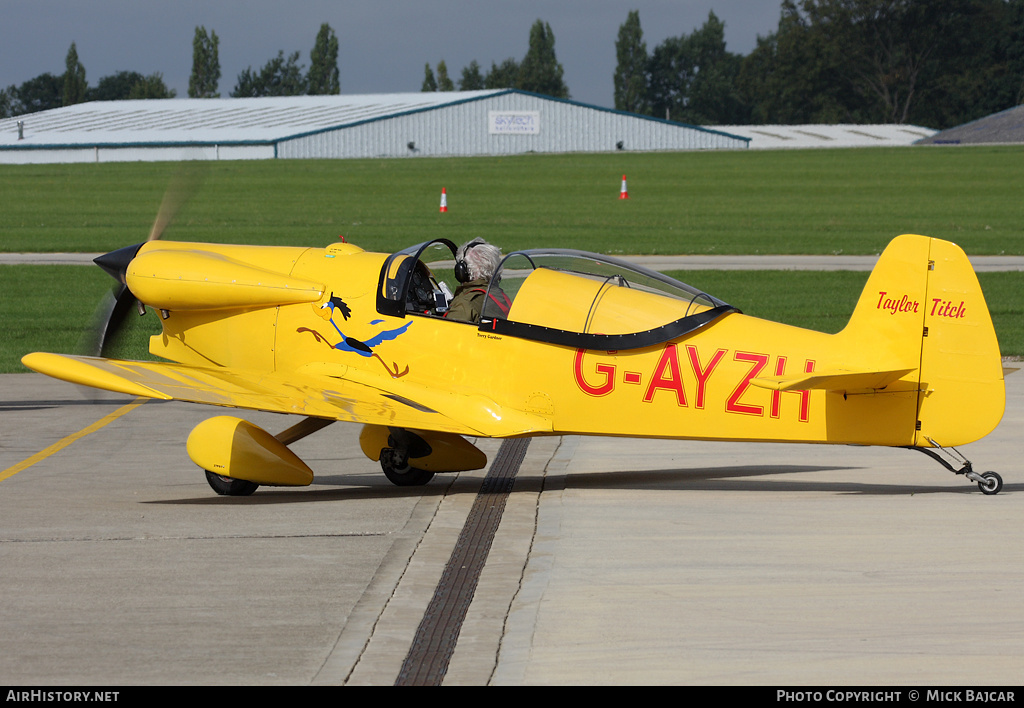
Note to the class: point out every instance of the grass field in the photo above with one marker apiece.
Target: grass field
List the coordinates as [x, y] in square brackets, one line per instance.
[805, 201]
[808, 201]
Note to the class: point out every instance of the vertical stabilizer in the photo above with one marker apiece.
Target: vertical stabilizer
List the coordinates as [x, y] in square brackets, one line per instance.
[887, 325]
[922, 307]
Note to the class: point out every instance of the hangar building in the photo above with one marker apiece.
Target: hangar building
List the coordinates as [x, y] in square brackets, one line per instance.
[464, 123]
[791, 137]
[1002, 128]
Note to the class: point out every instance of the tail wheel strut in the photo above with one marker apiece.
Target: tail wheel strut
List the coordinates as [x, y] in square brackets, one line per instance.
[988, 482]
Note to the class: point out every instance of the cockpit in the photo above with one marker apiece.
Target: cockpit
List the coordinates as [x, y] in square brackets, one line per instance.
[559, 296]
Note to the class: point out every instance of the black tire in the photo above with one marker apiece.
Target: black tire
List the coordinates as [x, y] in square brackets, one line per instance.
[992, 485]
[229, 487]
[397, 470]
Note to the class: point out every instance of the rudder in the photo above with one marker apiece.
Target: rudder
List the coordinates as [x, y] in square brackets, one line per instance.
[962, 391]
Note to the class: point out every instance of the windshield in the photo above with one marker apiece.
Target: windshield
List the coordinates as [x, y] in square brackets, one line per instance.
[408, 284]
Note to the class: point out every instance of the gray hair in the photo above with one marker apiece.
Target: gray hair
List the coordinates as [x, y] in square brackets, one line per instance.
[481, 258]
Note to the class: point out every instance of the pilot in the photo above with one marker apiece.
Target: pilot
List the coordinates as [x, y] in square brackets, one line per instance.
[475, 263]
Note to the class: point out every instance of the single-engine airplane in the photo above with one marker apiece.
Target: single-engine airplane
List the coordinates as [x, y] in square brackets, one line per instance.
[590, 345]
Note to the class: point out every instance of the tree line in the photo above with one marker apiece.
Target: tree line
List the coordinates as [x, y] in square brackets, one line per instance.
[936, 63]
[53, 91]
[278, 77]
[539, 71]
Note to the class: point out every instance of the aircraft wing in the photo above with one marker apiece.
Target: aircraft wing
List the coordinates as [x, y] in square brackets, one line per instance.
[378, 401]
[834, 380]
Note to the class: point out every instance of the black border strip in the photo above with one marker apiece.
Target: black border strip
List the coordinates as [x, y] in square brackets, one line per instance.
[434, 644]
[606, 342]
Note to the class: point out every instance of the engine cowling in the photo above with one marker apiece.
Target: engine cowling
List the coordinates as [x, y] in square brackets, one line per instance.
[179, 279]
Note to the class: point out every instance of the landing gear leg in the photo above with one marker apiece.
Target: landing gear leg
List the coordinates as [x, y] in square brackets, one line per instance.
[988, 483]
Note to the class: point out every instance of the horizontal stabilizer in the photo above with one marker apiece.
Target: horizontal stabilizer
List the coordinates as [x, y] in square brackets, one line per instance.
[835, 380]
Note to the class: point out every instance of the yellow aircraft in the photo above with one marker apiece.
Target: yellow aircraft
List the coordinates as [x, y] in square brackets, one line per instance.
[576, 344]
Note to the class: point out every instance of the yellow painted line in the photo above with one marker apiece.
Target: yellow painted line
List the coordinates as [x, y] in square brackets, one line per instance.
[61, 444]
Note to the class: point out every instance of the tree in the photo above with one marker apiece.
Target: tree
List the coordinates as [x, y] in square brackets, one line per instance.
[975, 70]
[130, 85]
[693, 77]
[794, 76]
[884, 44]
[205, 65]
[713, 97]
[429, 82]
[278, 77]
[472, 79]
[540, 71]
[37, 94]
[115, 87]
[75, 85]
[879, 60]
[1015, 47]
[504, 75]
[151, 86]
[443, 82]
[630, 78]
[670, 75]
[322, 78]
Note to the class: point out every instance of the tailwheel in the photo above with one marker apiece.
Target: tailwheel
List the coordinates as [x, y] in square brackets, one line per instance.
[990, 483]
[227, 486]
[395, 464]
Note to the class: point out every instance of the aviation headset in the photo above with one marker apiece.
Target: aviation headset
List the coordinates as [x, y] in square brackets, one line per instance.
[461, 267]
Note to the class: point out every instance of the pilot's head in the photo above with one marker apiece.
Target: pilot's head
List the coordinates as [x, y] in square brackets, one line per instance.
[475, 260]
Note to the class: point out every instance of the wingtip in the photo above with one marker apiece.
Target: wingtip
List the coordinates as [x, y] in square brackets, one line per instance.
[88, 371]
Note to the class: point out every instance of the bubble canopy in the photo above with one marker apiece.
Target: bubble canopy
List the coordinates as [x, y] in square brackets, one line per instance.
[560, 296]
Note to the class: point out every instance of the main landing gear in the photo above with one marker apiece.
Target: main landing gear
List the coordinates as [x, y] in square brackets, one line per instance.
[988, 482]
[267, 457]
[394, 459]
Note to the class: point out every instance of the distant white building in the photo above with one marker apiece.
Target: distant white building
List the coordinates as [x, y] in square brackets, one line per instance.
[497, 122]
[784, 137]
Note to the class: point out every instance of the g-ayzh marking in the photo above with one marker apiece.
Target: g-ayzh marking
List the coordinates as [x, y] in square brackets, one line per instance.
[667, 375]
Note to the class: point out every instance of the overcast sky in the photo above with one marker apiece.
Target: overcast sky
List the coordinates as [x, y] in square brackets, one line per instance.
[384, 44]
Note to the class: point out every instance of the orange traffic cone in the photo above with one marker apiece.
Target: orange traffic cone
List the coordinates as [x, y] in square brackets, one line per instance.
[623, 194]
[444, 200]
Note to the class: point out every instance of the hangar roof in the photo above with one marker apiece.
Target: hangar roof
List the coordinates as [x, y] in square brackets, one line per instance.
[999, 128]
[219, 120]
[775, 137]
[248, 120]
[500, 121]
[270, 121]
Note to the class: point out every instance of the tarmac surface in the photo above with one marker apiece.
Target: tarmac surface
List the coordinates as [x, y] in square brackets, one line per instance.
[614, 561]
